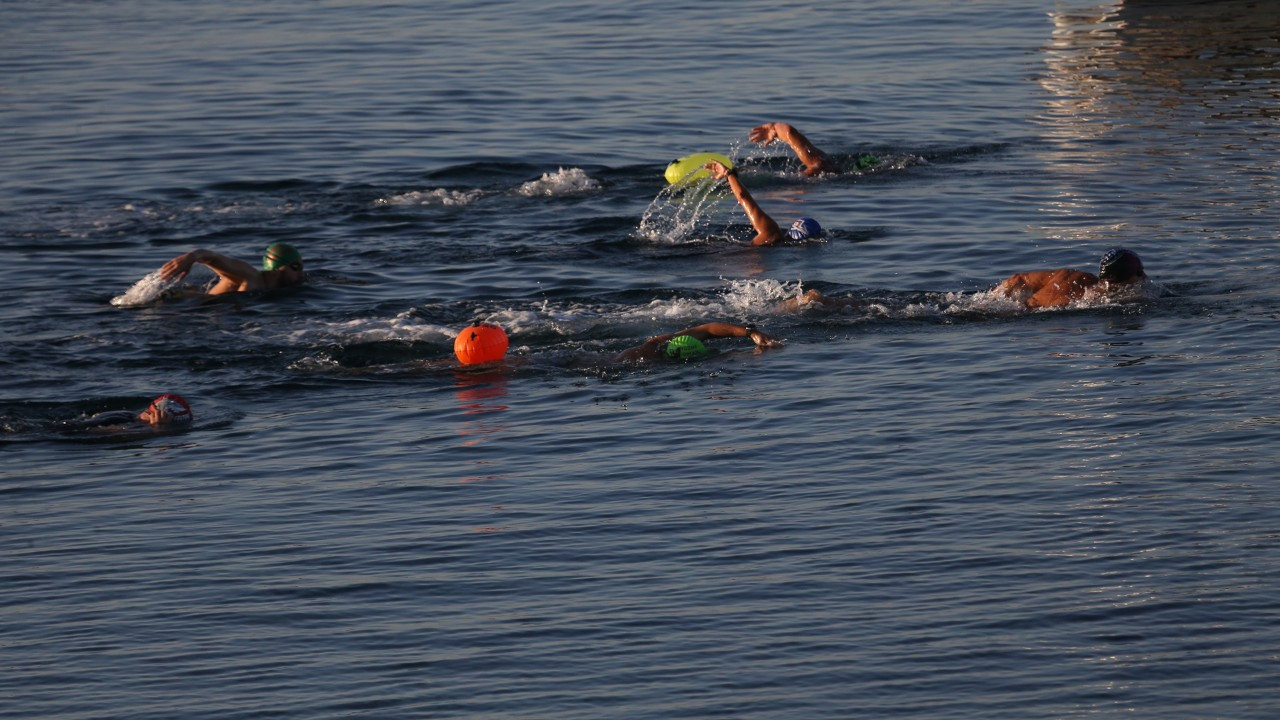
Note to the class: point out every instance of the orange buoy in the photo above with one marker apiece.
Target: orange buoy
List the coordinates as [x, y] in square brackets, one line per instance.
[481, 343]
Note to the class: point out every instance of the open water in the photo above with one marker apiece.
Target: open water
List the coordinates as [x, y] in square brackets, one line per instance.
[939, 506]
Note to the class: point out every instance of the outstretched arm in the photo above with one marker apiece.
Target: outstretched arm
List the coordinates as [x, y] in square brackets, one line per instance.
[767, 231]
[728, 330]
[652, 347]
[815, 161]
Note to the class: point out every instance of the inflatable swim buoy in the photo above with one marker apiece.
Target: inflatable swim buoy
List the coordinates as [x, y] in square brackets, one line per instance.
[689, 169]
[481, 343]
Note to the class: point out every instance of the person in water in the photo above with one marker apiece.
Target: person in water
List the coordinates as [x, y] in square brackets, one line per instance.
[815, 299]
[690, 344]
[1119, 271]
[767, 230]
[281, 267]
[816, 162]
[167, 411]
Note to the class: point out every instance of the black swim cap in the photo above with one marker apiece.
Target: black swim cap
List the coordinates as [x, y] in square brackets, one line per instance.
[1119, 265]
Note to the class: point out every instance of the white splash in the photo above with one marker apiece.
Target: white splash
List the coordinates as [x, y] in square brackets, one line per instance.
[573, 181]
[362, 330]
[991, 303]
[680, 215]
[144, 292]
[759, 296]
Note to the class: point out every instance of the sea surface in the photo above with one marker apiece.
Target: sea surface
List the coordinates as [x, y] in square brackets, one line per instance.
[932, 504]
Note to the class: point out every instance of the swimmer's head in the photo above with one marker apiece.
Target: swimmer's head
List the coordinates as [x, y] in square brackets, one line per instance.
[804, 228]
[1120, 265]
[685, 347]
[280, 256]
[167, 408]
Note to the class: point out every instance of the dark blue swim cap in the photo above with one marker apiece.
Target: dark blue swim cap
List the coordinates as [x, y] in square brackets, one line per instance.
[1119, 265]
[804, 228]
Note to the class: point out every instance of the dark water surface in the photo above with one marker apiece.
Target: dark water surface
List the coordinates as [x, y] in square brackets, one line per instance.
[938, 505]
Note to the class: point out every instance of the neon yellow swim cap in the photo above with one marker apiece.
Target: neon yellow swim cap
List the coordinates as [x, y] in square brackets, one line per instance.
[685, 347]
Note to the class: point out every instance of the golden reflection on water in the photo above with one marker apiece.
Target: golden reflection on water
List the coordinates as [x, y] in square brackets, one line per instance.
[1154, 93]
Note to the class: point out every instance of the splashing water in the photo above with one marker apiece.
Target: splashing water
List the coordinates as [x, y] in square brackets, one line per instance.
[573, 181]
[750, 296]
[144, 292]
[681, 215]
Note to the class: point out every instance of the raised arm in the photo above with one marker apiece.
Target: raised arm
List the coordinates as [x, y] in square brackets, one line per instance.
[767, 230]
[234, 275]
[815, 161]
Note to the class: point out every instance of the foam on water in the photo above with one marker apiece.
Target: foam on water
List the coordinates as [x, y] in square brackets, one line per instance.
[440, 196]
[402, 327]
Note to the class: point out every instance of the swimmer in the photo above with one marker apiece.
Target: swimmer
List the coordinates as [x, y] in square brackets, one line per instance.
[816, 162]
[1118, 271]
[767, 230]
[815, 299]
[166, 411]
[689, 344]
[281, 267]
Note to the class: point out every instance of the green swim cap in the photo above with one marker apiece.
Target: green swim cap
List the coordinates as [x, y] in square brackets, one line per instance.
[685, 347]
[279, 255]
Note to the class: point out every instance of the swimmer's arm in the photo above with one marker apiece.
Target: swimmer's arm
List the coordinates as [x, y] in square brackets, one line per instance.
[1062, 288]
[729, 330]
[1025, 282]
[815, 161]
[228, 268]
[1047, 288]
[767, 230]
[647, 350]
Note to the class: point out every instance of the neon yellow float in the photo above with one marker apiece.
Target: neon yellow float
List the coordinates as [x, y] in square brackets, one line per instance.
[688, 169]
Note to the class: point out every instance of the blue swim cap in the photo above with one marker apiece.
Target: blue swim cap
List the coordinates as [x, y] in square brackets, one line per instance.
[804, 228]
[685, 347]
[1119, 265]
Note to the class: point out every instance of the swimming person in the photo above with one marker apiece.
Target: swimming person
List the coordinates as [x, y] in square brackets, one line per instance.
[815, 161]
[165, 411]
[1118, 271]
[767, 230]
[281, 267]
[814, 298]
[690, 344]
